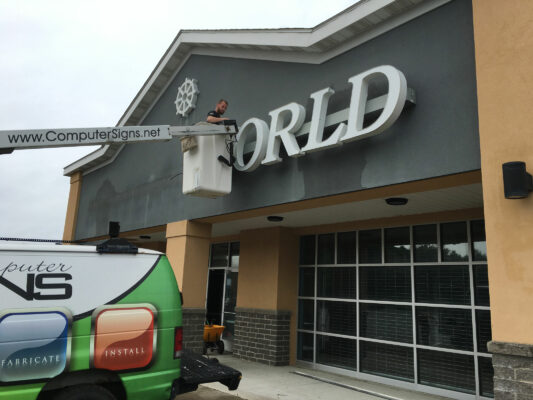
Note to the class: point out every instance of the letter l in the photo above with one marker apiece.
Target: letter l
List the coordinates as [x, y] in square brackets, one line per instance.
[318, 120]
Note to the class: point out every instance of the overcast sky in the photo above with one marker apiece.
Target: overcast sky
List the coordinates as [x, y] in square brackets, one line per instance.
[79, 63]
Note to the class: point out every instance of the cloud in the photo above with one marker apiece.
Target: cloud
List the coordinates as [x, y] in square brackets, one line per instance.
[79, 64]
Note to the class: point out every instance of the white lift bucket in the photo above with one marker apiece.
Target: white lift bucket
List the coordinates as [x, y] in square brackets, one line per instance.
[203, 174]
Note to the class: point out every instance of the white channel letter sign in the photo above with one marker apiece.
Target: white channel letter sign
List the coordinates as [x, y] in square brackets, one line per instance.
[287, 121]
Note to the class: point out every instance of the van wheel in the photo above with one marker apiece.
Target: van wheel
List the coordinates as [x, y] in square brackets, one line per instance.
[85, 392]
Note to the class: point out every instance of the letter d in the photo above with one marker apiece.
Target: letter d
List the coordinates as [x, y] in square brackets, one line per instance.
[393, 105]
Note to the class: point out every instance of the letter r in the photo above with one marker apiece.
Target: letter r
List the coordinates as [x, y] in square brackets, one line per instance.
[278, 133]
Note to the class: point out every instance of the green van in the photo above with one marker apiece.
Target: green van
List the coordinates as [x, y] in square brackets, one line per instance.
[89, 323]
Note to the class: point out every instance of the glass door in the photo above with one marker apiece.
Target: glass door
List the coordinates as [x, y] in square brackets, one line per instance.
[222, 289]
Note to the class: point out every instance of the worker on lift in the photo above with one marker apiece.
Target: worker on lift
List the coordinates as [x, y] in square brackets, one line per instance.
[215, 117]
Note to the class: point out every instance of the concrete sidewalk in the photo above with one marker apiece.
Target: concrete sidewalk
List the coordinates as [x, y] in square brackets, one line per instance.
[262, 382]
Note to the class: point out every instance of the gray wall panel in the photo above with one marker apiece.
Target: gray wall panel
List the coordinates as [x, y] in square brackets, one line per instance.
[439, 136]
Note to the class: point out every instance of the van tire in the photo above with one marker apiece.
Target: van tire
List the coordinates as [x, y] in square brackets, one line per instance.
[85, 392]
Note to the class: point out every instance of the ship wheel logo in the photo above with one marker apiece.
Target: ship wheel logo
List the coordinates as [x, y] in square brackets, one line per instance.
[186, 98]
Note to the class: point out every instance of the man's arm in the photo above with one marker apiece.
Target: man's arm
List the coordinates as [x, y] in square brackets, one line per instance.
[213, 117]
[214, 120]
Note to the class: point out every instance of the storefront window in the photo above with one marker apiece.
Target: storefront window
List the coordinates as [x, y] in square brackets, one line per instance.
[326, 249]
[484, 333]
[306, 346]
[230, 296]
[346, 247]
[307, 282]
[397, 245]
[337, 282]
[337, 317]
[370, 247]
[336, 352]
[385, 283]
[219, 255]
[306, 314]
[387, 360]
[447, 370]
[307, 250]
[444, 327]
[479, 244]
[486, 376]
[425, 321]
[386, 322]
[444, 284]
[481, 285]
[426, 248]
[454, 242]
[235, 249]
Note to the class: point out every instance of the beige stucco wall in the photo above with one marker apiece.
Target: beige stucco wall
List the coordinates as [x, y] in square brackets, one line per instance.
[503, 34]
[188, 252]
[268, 269]
[69, 231]
[268, 273]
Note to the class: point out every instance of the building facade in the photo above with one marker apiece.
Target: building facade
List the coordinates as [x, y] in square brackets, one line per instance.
[367, 231]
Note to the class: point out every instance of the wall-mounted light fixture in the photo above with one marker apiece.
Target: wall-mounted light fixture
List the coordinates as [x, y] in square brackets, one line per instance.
[275, 218]
[517, 183]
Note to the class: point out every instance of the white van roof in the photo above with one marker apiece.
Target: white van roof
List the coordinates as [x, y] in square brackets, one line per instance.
[47, 247]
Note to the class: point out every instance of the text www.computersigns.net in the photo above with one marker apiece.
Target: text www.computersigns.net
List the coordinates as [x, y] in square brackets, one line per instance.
[81, 137]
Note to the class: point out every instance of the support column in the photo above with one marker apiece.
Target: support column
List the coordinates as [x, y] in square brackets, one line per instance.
[503, 36]
[267, 298]
[188, 252]
[69, 232]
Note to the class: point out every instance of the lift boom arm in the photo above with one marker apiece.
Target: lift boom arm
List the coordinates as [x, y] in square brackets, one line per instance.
[47, 138]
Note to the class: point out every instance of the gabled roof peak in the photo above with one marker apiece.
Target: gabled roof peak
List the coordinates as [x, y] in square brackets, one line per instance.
[350, 28]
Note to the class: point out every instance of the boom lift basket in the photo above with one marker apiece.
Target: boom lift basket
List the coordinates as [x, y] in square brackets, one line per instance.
[204, 174]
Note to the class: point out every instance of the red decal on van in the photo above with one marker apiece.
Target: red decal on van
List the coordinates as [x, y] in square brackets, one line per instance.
[123, 338]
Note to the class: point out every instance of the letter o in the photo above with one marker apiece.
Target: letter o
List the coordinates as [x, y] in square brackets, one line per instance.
[261, 140]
